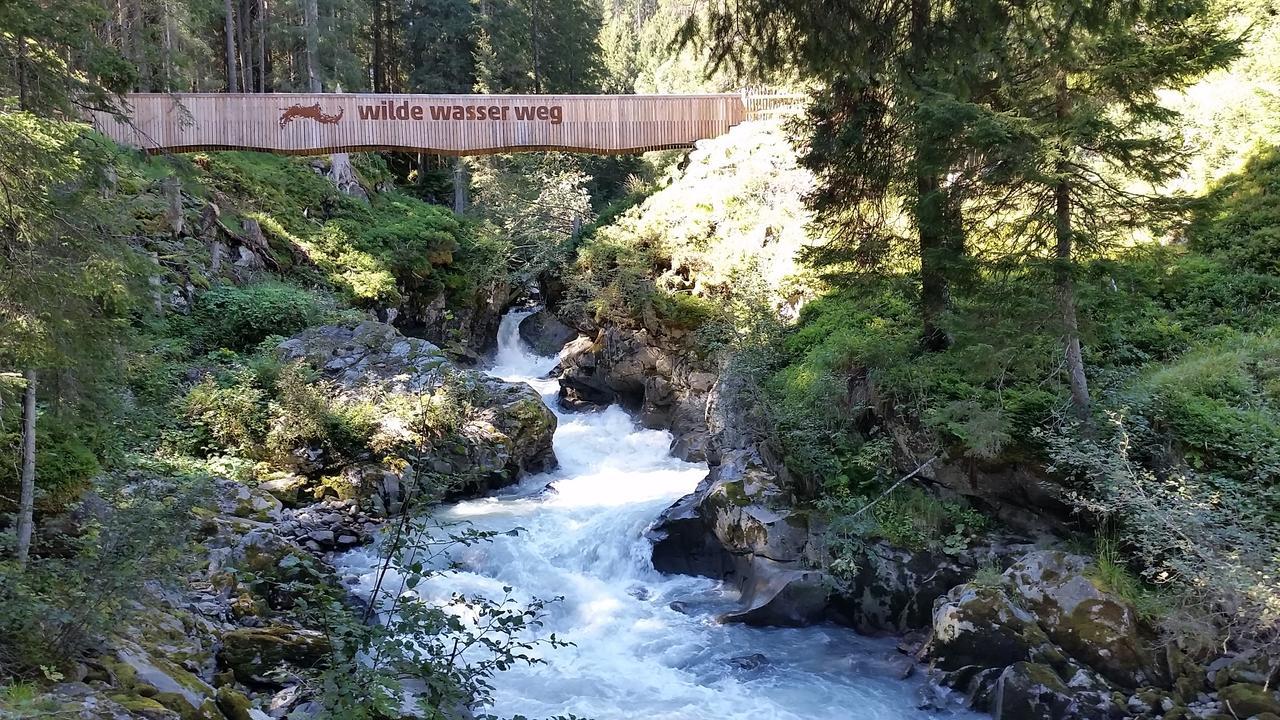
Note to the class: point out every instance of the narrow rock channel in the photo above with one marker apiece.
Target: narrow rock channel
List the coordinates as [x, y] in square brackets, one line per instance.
[646, 645]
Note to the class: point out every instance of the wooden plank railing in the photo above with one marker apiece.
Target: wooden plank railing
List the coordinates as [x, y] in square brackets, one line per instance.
[309, 124]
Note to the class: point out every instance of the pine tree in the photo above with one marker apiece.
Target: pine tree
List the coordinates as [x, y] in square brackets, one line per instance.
[895, 125]
[1088, 140]
[440, 45]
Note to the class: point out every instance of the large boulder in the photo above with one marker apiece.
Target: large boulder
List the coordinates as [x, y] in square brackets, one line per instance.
[1100, 629]
[654, 374]
[894, 589]
[545, 334]
[505, 430]
[254, 654]
[1032, 691]
[1041, 642]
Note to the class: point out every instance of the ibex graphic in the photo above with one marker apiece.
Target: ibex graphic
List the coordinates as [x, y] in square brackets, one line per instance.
[293, 112]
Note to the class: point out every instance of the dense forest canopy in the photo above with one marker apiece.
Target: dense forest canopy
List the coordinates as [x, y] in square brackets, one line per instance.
[1007, 272]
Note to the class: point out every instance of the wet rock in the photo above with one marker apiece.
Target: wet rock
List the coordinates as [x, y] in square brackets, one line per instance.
[545, 334]
[749, 662]
[653, 374]
[782, 595]
[894, 589]
[1034, 691]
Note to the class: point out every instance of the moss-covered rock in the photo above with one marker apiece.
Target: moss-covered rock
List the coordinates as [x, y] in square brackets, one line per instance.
[981, 626]
[234, 704]
[479, 431]
[1034, 691]
[254, 653]
[1099, 628]
[1246, 700]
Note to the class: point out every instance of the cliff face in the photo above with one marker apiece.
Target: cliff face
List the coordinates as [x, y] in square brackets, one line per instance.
[658, 376]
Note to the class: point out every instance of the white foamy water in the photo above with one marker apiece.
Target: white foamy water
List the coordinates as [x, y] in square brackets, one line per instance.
[634, 656]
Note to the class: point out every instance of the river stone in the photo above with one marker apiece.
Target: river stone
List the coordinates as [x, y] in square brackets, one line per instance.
[1033, 691]
[285, 487]
[782, 595]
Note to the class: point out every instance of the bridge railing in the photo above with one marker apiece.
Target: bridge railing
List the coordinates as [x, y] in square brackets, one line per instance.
[762, 103]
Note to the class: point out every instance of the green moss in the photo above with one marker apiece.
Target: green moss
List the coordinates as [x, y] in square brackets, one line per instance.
[233, 704]
[1246, 700]
[139, 704]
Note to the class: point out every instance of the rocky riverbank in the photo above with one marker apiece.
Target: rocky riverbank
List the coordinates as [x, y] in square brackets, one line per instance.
[1008, 622]
[251, 626]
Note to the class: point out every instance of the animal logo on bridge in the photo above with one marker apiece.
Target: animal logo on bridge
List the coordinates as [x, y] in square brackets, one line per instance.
[312, 112]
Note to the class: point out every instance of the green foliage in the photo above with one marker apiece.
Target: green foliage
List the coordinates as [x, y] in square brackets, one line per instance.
[1239, 220]
[242, 317]
[1206, 543]
[253, 407]
[681, 253]
[1220, 406]
[57, 608]
[230, 417]
[1110, 573]
[447, 653]
[67, 456]
[907, 517]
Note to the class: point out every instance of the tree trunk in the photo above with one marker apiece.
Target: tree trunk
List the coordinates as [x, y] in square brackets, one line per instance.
[1062, 273]
[24, 100]
[262, 46]
[311, 18]
[166, 46]
[534, 45]
[27, 489]
[935, 257]
[229, 28]
[379, 52]
[459, 186]
[932, 215]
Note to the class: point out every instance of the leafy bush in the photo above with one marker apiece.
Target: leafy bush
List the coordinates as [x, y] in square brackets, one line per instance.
[65, 463]
[907, 517]
[242, 317]
[231, 415]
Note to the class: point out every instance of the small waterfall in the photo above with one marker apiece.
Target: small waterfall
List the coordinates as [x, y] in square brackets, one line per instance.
[646, 645]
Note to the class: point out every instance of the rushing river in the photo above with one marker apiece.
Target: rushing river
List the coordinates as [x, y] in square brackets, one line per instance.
[634, 656]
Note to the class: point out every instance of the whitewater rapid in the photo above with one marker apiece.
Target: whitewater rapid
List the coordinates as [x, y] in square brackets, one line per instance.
[635, 654]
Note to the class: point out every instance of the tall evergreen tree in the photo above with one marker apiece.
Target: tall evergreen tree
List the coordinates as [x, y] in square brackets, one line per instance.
[1089, 141]
[895, 124]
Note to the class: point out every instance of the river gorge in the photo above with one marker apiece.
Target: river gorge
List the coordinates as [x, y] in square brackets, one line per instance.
[645, 644]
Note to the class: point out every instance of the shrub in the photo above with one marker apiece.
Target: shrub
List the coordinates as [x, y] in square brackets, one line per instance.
[242, 317]
[65, 463]
[231, 414]
[1239, 220]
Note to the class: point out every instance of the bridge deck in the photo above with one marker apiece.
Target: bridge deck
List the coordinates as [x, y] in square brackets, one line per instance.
[310, 124]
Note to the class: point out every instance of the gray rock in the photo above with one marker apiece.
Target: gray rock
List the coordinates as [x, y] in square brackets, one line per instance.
[545, 334]
[749, 662]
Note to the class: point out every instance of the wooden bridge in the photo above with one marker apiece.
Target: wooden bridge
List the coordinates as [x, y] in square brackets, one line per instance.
[312, 124]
